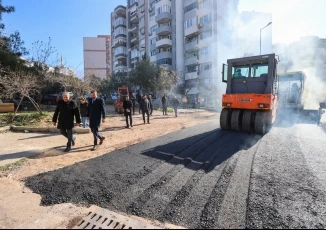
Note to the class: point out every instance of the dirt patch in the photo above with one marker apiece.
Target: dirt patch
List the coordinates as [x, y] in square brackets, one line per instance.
[20, 208]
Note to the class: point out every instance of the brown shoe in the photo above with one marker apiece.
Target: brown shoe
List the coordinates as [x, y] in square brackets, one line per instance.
[101, 140]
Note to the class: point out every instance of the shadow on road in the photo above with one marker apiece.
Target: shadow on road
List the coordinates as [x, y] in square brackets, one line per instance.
[203, 150]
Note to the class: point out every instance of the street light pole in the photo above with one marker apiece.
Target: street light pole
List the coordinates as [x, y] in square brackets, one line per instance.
[260, 34]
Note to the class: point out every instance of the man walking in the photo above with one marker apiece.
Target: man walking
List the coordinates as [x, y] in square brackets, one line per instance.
[176, 104]
[133, 99]
[127, 107]
[66, 110]
[144, 105]
[164, 104]
[96, 110]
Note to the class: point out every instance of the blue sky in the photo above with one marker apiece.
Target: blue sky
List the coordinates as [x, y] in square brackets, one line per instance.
[68, 21]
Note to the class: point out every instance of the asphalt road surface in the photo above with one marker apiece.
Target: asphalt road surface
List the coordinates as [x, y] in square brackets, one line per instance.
[204, 177]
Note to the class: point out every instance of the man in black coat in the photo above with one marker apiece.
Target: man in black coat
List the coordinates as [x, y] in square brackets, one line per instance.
[165, 104]
[127, 107]
[144, 106]
[96, 111]
[133, 99]
[66, 110]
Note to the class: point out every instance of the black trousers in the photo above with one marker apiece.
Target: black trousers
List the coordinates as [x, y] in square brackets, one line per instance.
[133, 107]
[145, 112]
[165, 108]
[68, 134]
[96, 134]
[128, 115]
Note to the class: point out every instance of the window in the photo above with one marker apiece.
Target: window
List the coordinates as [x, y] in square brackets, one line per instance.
[161, 50]
[120, 21]
[141, 8]
[120, 31]
[205, 34]
[259, 70]
[205, 66]
[142, 30]
[204, 4]
[153, 28]
[190, 7]
[120, 50]
[153, 53]
[206, 19]
[190, 22]
[204, 51]
[152, 17]
[132, 2]
[142, 53]
[134, 53]
[164, 9]
[142, 42]
[141, 19]
[153, 41]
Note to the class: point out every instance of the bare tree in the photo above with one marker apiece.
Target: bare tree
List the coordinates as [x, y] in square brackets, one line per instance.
[21, 83]
[42, 51]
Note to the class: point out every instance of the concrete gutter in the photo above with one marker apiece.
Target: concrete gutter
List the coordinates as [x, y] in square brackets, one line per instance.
[47, 129]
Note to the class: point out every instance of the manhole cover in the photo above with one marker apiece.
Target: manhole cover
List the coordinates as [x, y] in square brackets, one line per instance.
[105, 219]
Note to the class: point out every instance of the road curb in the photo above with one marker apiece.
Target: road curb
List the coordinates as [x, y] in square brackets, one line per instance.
[5, 129]
[46, 130]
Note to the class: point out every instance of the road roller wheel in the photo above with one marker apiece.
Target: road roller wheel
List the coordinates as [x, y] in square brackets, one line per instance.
[247, 124]
[260, 122]
[236, 120]
[225, 119]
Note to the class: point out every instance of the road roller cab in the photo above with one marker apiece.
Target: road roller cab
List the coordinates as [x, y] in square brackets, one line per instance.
[250, 101]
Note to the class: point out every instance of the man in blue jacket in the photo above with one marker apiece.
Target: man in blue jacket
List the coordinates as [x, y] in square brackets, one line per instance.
[96, 111]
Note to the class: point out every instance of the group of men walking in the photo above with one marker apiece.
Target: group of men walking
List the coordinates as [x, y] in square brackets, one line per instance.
[91, 111]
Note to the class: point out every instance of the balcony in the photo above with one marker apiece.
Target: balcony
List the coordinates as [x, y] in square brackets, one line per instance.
[134, 17]
[165, 42]
[120, 36]
[191, 60]
[134, 28]
[191, 46]
[119, 42]
[134, 39]
[164, 30]
[120, 15]
[121, 65]
[163, 55]
[120, 8]
[120, 56]
[189, 76]
[167, 66]
[134, 60]
[191, 31]
[163, 17]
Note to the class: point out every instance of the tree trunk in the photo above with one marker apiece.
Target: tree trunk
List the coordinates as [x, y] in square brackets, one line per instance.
[35, 104]
[16, 110]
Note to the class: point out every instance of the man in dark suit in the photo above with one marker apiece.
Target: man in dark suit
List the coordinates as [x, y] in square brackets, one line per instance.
[96, 111]
[66, 110]
[127, 107]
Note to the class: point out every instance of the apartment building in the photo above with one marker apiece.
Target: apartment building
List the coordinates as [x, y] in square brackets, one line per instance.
[97, 56]
[207, 42]
[187, 36]
[119, 39]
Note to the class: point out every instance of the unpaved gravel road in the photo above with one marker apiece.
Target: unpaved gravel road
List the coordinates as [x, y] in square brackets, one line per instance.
[203, 177]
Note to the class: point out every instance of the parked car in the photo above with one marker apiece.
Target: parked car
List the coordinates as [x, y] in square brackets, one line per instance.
[51, 99]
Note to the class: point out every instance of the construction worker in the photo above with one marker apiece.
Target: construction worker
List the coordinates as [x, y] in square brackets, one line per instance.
[237, 73]
[320, 113]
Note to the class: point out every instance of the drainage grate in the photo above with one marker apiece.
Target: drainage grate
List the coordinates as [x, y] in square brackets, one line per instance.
[105, 219]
